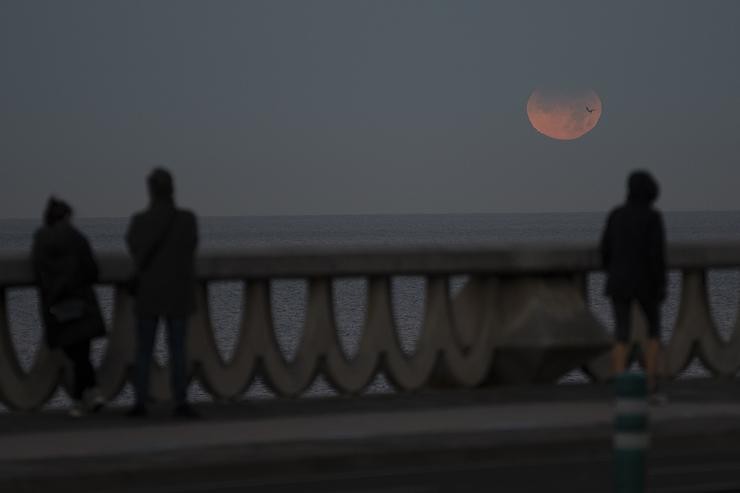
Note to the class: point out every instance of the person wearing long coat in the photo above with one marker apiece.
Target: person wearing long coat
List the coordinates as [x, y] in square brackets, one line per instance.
[633, 255]
[65, 271]
[162, 241]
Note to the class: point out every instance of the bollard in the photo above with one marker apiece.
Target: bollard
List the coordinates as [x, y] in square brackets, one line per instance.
[630, 432]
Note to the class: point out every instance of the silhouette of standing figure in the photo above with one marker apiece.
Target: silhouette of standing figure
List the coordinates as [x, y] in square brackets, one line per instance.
[65, 271]
[633, 255]
[162, 241]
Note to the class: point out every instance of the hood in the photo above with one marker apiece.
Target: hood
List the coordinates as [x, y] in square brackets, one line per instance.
[642, 188]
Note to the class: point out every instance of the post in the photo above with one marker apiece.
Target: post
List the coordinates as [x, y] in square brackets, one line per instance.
[630, 432]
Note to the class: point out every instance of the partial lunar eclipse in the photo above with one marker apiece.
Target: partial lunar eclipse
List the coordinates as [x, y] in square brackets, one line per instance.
[564, 114]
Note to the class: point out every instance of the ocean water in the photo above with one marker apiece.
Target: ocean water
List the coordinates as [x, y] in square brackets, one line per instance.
[349, 294]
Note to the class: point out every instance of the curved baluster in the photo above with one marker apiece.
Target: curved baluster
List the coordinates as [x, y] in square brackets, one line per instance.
[693, 321]
[18, 389]
[115, 367]
[286, 378]
[347, 375]
[411, 372]
[470, 352]
[439, 321]
[722, 358]
[697, 334]
[465, 353]
[380, 348]
[469, 308]
[377, 335]
[222, 379]
[378, 339]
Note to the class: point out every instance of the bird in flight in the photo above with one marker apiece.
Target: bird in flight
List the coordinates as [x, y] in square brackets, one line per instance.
[590, 110]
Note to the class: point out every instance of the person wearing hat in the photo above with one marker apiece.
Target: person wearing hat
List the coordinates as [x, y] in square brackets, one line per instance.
[65, 271]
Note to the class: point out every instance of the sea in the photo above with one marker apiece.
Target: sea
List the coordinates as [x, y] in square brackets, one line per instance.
[289, 295]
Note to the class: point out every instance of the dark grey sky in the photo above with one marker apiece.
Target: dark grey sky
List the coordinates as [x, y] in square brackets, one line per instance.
[292, 107]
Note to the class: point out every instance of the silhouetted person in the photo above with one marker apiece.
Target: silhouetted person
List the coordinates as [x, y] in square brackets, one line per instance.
[65, 271]
[633, 254]
[162, 241]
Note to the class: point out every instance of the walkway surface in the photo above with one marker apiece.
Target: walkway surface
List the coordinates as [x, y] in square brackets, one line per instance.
[517, 439]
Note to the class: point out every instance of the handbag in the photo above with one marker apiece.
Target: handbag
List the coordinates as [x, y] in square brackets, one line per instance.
[132, 284]
[77, 320]
[68, 310]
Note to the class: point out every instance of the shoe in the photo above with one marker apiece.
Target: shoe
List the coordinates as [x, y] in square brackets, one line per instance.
[94, 400]
[185, 411]
[138, 412]
[77, 410]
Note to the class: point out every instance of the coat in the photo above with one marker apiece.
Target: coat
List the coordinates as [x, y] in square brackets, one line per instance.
[633, 253]
[167, 284]
[65, 269]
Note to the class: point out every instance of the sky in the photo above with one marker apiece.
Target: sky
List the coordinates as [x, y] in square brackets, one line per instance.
[352, 107]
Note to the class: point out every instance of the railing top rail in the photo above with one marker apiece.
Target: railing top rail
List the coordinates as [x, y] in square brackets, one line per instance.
[288, 262]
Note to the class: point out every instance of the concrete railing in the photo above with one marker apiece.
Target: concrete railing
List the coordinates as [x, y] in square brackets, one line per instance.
[522, 316]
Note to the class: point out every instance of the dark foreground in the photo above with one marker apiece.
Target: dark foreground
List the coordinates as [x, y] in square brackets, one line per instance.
[517, 439]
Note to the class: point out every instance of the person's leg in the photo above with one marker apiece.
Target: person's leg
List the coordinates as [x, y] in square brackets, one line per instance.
[81, 368]
[146, 332]
[92, 398]
[651, 310]
[83, 376]
[652, 360]
[87, 372]
[621, 334]
[176, 335]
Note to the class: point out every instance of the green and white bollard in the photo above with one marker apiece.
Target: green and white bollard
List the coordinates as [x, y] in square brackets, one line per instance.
[631, 437]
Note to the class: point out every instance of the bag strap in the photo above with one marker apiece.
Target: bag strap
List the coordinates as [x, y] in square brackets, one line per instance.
[147, 259]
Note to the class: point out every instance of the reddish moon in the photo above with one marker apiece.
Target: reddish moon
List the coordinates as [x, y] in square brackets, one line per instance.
[564, 114]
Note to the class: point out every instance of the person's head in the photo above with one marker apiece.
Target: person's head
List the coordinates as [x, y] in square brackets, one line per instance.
[642, 188]
[56, 211]
[160, 185]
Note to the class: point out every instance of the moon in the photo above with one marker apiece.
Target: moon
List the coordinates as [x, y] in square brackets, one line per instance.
[564, 114]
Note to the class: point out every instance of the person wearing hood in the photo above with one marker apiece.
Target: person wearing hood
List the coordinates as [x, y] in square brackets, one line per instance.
[633, 255]
[65, 271]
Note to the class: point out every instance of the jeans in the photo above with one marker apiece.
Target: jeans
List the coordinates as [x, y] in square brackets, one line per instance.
[176, 334]
[84, 374]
